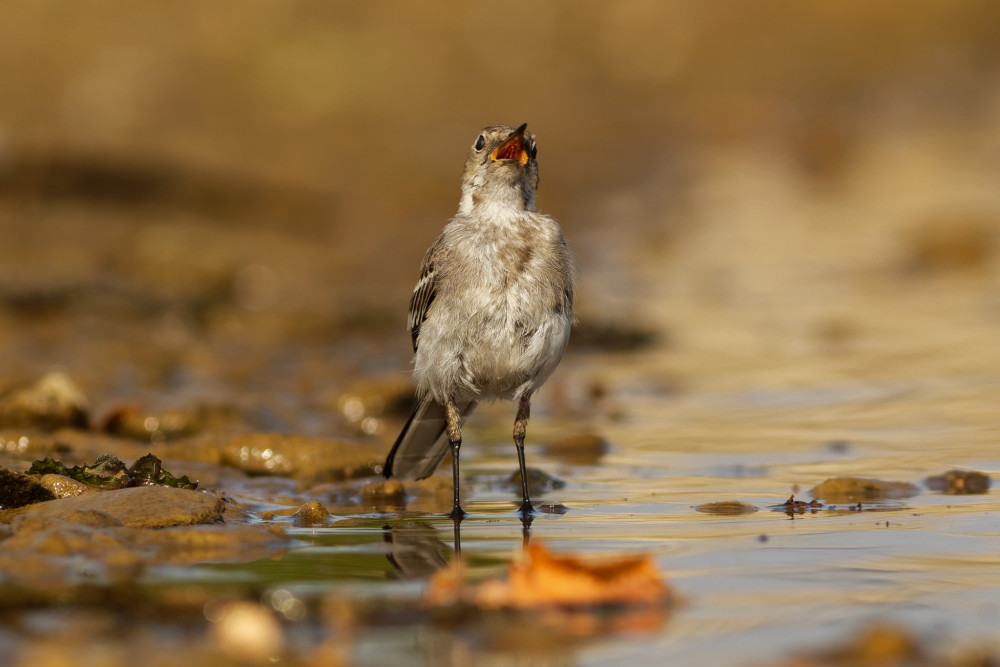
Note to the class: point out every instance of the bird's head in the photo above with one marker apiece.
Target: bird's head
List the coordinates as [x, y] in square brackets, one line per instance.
[501, 170]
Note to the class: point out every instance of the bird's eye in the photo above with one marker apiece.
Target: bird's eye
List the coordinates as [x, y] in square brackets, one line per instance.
[534, 151]
[480, 143]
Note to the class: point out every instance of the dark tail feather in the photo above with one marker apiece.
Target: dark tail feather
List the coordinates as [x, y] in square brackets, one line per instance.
[423, 442]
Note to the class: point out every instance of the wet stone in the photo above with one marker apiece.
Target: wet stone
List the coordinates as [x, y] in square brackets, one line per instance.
[64, 487]
[433, 495]
[131, 421]
[311, 513]
[857, 489]
[726, 508]
[613, 337]
[145, 506]
[109, 472]
[383, 495]
[959, 482]
[556, 509]
[952, 241]
[15, 444]
[301, 457]
[369, 400]
[53, 402]
[578, 449]
[18, 489]
[539, 482]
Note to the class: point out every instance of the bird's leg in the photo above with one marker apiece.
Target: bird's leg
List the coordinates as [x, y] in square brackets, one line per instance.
[526, 519]
[454, 429]
[457, 523]
[520, 428]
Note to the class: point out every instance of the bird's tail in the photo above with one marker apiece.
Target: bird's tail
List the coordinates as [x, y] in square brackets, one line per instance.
[423, 442]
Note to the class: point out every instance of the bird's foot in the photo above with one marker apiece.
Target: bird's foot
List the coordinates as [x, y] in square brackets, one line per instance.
[526, 509]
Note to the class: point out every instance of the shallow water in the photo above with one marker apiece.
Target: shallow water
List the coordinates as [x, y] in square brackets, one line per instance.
[756, 588]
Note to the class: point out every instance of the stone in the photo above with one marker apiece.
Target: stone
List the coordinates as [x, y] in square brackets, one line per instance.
[54, 401]
[383, 495]
[726, 508]
[959, 482]
[146, 506]
[18, 489]
[301, 457]
[576, 449]
[311, 513]
[63, 487]
[857, 489]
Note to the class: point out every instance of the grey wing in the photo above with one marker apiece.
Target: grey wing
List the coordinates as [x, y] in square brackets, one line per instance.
[424, 292]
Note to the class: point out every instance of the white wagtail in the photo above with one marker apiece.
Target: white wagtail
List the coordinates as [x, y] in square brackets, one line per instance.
[491, 314]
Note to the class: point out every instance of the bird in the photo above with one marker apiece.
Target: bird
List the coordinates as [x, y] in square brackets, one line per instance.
[491, 313]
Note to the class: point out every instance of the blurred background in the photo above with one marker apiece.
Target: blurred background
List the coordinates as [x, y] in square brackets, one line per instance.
[232, 200]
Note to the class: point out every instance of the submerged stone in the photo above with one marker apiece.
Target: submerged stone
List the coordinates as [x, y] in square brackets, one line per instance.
[54, 401]
[857, 489]
[578, 449]
[539, 482]
[383, 495]
[726, 508]
[959, 482]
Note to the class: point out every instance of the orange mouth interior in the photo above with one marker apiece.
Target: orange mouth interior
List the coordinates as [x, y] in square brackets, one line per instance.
[512, 149]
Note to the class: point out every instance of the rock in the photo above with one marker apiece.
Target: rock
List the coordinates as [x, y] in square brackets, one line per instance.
[959, 482]
[52, 402]
[856, 489]
[432, 495]
[64, 487]
[384, 495]
[301, 457]
[14, 443]
[955, 240]
[147, 506]
[311, 513]
[369, 400]
[875, 644]
[18, 489]
[539, 482]
[578, 449]
[612, 336]
[109, 472]
[131, 421]
[726, 508]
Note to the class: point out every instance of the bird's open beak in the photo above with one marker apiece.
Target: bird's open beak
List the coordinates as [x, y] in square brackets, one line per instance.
[512, 148]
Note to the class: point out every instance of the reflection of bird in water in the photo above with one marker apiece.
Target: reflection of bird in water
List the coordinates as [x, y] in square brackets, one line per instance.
[415, 550]
[491, 313]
